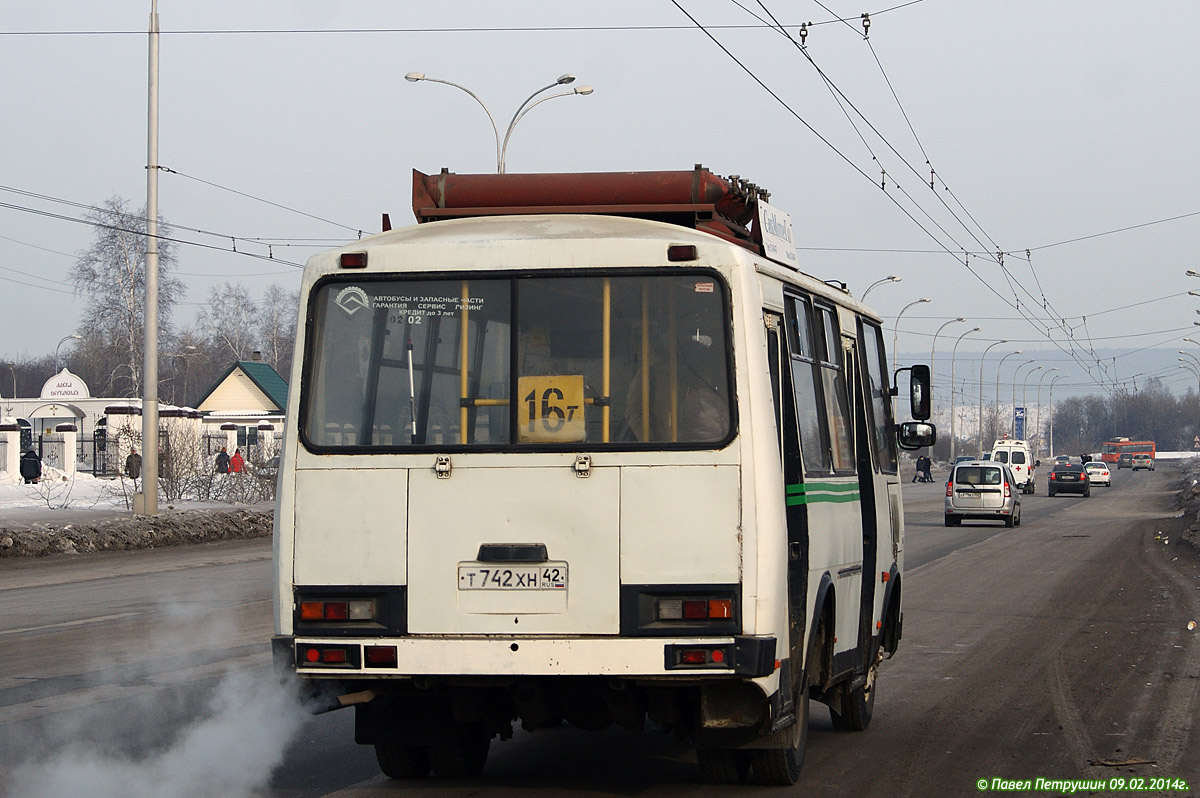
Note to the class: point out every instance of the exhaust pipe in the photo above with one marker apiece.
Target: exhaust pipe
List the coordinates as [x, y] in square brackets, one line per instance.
[328, 703]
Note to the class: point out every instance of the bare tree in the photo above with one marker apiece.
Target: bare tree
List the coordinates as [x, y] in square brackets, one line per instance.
[230, 322]
[112, 275]
[277, 327]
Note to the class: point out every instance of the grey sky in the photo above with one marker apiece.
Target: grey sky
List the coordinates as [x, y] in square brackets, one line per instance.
[1047, 121]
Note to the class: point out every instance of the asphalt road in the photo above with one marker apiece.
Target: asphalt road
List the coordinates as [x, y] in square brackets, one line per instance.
[1052, 650]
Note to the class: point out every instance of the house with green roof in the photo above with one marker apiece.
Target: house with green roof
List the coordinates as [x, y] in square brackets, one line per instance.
[247, 404]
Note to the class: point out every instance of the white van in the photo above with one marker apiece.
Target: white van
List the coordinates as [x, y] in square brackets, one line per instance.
[1016, 453]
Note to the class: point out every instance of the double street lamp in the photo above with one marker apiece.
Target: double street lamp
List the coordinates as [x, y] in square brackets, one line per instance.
[522, 109]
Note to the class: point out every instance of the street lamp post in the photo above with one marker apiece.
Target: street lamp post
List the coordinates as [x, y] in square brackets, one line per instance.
[1038, 427]
[999, 367]
[1195, 370]
[1025, 398]
[60, 343]
[522, 109]
[981, 359]
[1056, 379]
[953, 355]
[1014, 393]
[896, 330]
[932, 349]
[891, 278]
[12, 371]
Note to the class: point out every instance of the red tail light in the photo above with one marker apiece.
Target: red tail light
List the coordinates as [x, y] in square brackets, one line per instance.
[949, 488]
[1051, 475]
[1007, 490]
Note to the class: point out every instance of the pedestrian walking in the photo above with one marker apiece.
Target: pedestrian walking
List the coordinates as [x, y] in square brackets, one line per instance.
[31, 467]
[222, 461]
[133, 464]
[237, 462]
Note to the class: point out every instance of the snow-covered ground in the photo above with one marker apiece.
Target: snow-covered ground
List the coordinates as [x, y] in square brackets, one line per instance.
[55, 491]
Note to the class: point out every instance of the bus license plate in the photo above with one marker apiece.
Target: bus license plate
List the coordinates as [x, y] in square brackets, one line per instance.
[544, 576]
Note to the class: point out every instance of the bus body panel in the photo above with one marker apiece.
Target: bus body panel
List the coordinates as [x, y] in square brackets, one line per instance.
[365, 505]
[678, 525]
[576, 519]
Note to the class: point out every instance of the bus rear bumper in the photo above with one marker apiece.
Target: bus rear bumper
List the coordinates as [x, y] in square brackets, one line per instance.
[746, 656]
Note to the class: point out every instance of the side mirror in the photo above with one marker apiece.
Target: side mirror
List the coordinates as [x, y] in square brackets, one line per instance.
[915, 434]
[919, 396]
[1037, 463]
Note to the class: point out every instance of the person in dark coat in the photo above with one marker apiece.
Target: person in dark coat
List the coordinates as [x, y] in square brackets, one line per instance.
[222, 461]
[928, 469]
[133, 465]
[31, 467]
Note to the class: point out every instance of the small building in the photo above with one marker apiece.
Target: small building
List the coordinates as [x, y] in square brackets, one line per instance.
[247, 405]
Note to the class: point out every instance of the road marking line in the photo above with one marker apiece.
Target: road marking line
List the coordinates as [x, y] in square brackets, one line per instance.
[80, 622]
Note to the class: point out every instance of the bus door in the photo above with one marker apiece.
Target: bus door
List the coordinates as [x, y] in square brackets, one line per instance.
[795, 514]
[867, 474]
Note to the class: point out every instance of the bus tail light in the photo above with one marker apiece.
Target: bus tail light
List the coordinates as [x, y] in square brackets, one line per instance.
[694, 609]
[342, 610]
[693, 656]
[380, 656]
[327, 656]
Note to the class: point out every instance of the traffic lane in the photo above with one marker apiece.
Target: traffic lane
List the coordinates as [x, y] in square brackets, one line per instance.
[103, 643]
[927, 538]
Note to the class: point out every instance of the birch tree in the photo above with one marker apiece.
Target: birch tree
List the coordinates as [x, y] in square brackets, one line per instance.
[111, 275]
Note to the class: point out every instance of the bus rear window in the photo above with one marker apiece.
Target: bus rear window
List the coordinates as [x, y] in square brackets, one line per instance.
[543, 362]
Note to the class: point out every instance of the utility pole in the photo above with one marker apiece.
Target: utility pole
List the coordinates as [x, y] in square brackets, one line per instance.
[149, 497]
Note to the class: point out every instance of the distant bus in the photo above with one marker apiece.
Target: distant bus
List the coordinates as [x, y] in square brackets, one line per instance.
[1111, 451]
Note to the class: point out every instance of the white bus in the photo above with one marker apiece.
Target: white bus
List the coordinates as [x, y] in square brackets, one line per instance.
[574, 449]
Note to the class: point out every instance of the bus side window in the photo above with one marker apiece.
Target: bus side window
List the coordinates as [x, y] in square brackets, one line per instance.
[833, 379]
[879, 400]
[806, 381]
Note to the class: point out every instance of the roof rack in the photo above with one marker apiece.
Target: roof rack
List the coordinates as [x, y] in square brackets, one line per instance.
[698, 199]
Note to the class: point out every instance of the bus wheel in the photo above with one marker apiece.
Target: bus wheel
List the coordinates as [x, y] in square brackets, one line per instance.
[724, 765]
[857, 703]
[402, 760]
[781, 766]
[460, 755]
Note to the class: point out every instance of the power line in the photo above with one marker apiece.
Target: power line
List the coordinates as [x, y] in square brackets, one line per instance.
[117, 228]
[459, 29]
[260, 199]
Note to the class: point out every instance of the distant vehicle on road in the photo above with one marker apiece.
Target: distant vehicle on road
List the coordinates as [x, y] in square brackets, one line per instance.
[1098, 473]
[1143, 462]
[1017, 455]
[1069, 478]
[984, 491]
[1121, 450]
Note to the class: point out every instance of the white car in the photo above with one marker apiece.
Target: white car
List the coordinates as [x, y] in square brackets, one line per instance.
[1141, 461]
[1098, 473]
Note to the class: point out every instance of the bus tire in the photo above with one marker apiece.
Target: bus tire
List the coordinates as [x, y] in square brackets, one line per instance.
[724, 765]
[402, 760]
[857, 704]
[461, 754]
[780, 767]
